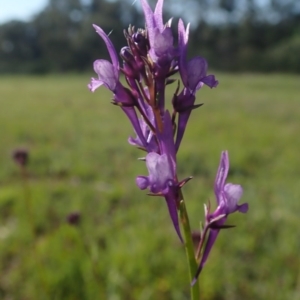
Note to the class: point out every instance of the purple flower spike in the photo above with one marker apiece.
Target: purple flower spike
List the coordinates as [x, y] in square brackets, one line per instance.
[193, 73]
[227, 196]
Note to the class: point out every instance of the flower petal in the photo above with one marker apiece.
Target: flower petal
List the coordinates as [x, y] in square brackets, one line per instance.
[233, 193]
[196, 71]
[163, 42]
[142, 182]
[210, 80]
[183, 35]
[160, 172]
[94, 84]
[106, 73]
[111, 49]
[150, 21]
[243, 208]
[158, 15]
[221, 174]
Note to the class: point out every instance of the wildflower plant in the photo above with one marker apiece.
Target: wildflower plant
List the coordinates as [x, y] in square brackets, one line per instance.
[149, 62]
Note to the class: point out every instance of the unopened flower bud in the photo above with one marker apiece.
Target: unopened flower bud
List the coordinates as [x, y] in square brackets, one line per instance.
[141, 41]
[130, 67]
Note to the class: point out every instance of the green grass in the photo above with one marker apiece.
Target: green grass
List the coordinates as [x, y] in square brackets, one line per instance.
[125, 246]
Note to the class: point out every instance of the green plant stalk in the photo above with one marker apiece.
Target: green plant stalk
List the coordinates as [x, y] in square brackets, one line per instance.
[189, 249]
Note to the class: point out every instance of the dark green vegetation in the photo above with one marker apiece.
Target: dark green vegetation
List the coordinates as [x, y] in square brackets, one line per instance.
[125, 246]
[233, 35]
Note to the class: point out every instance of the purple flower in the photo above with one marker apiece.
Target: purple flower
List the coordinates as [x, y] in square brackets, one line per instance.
[161, 175]
[161, 166]
[108, 75]
[21, 157]
[193, 72]
[227, 196]
[193, 75]
[160, 36]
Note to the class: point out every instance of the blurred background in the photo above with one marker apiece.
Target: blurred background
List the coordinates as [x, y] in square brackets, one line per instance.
[234, 35]
[73, 224]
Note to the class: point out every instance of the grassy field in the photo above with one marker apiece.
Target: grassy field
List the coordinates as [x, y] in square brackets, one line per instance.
[124, 246]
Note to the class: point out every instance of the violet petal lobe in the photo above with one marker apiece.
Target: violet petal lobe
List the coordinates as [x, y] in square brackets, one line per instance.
[94, 84]
[158, 12]
[142, 182]
[163, 42]
[153, 20]
[210, 81]
[233, 193]
[160, 172]
[106, 73]
[196, 71]
[183, 35]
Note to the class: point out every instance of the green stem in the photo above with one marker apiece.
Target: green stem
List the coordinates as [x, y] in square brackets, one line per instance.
[189, 249]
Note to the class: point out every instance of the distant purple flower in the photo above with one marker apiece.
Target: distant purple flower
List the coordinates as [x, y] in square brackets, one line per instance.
[21, 156]
[162, 171]
[227, 196]
[73, 218]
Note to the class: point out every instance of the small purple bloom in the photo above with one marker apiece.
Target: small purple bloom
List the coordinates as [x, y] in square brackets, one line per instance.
[193, 75]
[161, 175]
[21, 156]
[227, 196]
[162, 171]
[193, 72]
[160, 36]
[108, 75]
[73, 218]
